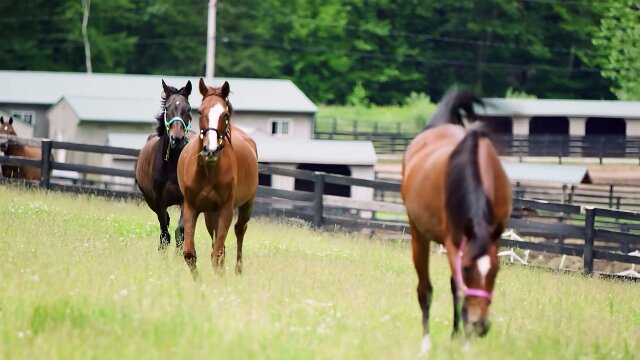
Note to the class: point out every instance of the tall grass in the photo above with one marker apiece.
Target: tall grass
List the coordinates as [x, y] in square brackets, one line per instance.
[81, 278]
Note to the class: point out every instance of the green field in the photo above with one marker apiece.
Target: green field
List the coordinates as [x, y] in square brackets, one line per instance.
[81, 278]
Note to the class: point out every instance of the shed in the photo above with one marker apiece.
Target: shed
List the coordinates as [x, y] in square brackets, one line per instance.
[565, 174]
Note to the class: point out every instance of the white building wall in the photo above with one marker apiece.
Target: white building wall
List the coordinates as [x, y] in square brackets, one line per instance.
[362, 172]
[301, 125]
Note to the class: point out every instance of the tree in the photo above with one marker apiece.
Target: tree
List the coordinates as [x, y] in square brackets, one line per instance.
[618, 45]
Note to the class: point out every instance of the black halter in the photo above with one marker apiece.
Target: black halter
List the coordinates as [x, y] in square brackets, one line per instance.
[220, 135]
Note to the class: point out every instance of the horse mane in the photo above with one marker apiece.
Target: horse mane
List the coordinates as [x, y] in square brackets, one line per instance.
[468, 207]
[450, 107]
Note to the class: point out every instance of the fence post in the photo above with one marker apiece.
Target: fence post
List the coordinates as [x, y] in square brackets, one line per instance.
[610, 196]
[45, 164]
[589, 234]
[318, 191]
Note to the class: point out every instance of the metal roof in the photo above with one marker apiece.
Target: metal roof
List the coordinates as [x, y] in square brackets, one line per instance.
[565, 174]
[345, 152]
[557, 107]
[286, 151]
[114, 109]
[42, 87]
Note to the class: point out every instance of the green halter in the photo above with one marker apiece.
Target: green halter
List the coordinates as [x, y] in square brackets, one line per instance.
[167, 124]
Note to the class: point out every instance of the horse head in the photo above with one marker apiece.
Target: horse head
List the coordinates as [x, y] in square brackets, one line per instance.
[175, 119]
[475, 268]
[6, 128]
[215, 116]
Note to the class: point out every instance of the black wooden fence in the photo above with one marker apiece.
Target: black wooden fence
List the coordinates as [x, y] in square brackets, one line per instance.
[590, 233]
[519, 146]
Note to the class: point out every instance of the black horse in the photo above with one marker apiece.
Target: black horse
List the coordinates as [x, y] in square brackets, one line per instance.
[158, 160]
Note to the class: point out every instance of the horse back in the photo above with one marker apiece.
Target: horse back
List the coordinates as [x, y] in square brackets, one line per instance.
[423, 179]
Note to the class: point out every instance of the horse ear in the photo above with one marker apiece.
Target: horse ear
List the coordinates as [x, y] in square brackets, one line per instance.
[10, 120]
[224, 92]
[1, 120]
[203, 87]
[187, 89]
[167, 91]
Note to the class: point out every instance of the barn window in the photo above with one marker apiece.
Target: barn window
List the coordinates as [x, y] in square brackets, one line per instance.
[280, 126]
[28, 117]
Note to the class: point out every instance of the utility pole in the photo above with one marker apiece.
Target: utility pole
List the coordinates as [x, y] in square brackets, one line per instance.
[211, 39]
[86, 5]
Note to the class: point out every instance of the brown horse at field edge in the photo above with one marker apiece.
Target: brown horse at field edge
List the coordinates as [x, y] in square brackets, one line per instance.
[34, 153]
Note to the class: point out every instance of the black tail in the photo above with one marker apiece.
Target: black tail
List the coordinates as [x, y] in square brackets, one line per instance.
[449, 108]
[468, 207]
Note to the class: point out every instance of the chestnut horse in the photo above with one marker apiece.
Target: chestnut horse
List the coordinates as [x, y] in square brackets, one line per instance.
[457, 194]
[34, 153]
[157, 164]
[217, 173]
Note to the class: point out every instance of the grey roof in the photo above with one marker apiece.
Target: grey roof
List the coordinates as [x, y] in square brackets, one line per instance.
[556, 107]
[565, 174]
[345, 152]
[41, 87]
[114, 109]
[286, 151]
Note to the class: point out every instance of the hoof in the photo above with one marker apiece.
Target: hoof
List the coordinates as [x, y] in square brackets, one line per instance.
[425, 346]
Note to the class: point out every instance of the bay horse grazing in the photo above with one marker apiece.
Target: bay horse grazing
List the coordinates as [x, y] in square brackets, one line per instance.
[457, 194]
[157, 164]
[217, 173]
[34, 153]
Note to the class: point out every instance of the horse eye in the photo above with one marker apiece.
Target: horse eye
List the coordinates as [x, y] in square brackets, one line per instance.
[467, 271]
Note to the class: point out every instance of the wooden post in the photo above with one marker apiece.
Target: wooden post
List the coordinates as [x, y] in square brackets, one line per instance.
[589, 234]
[318, 191]
[610, 196]
[45, 164]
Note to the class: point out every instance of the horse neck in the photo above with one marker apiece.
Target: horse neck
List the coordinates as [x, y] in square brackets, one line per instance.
[13, 150]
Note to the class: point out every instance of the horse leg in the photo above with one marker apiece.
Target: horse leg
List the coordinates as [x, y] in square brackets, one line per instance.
[165, 237]
[456, 312]
[420, 247]
[179, 234]
[244, 214]
[190, 215]
[224, 222]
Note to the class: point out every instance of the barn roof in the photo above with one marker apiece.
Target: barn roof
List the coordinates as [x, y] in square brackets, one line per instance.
[557, 107]
[299, 151]
[250, 95]
[286, 151]
[565, 174]
[138, 110]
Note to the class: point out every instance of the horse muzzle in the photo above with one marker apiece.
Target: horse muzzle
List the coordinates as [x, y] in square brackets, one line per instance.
[474, 326]
[210, 156]
[177, 142]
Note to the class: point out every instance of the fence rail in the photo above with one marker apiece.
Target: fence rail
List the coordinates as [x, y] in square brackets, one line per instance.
[520, 146]
[559, 228]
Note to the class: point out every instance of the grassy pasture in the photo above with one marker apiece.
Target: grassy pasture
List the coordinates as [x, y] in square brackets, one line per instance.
[81, 278]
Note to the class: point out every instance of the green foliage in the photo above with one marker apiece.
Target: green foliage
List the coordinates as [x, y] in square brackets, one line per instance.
[618, 44]
[518, 94]
[331, 48]
[358, 96]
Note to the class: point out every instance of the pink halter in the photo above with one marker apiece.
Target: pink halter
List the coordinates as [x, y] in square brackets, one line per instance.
[461, 285]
